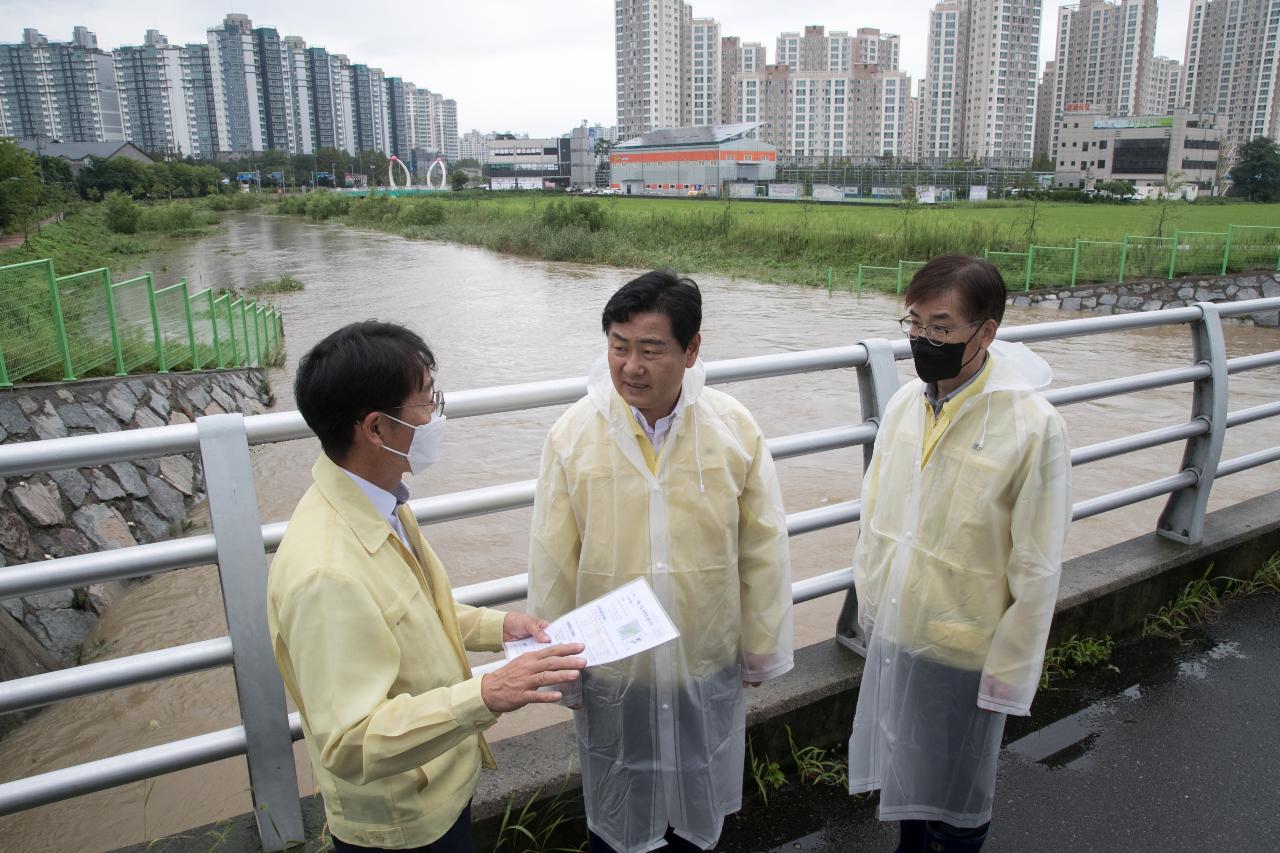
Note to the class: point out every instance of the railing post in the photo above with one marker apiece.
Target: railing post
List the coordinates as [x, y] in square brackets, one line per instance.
[1183, 516]
[1124, 258]
[4, 371]
[877, 382]
[59, 326]
[1173, 254]
[111, 321]
[1031, 253]
[242, 568]
[1226, 251]
[161, 365]
[1075, 263]
[191, 329]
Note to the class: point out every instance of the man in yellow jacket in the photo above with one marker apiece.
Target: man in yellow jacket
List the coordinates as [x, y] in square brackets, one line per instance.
[965, 507]
[653, 475]
[369, 641]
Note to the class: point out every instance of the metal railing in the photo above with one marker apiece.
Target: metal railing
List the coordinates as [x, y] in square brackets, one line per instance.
[240, 543]
[69, 326]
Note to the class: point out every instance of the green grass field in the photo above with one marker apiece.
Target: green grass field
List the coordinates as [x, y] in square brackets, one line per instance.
[782, 242]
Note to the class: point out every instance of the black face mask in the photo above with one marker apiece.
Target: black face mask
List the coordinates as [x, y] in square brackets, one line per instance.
[935, 363]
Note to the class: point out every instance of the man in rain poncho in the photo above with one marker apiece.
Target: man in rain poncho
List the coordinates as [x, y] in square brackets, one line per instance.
[652, 475]
[965, 507]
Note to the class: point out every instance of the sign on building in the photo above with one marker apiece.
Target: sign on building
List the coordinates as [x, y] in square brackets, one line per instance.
[788, 191]
[502, 183]
[1132, 121]
[886, 192]
[978, 193]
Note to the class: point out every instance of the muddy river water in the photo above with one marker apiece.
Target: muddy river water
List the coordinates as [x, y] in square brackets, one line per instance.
[495, 320]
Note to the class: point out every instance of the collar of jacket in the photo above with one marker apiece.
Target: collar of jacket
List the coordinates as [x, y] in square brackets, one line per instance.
[351, 503]
[609, 402]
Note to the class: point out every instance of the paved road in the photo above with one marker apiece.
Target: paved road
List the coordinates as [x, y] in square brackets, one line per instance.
[1179, 751]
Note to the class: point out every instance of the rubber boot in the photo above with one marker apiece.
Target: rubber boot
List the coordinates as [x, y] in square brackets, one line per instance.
[943, 838]
[912, 835]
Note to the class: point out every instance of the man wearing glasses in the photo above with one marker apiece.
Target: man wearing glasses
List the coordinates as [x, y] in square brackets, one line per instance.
[965, 507]
[369, 641]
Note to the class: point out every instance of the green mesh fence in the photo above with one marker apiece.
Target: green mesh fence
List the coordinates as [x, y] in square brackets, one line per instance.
[907, 271]
[1012, 267]
[87, 317]
[1253, 247]
[226, 330]
[1197, 252]
[29, 323]
[239, 329]
[1146, 257]
[171, 308]
[202, 327]
[1098, 261]
[877, 278]
[1051, 266]
[135, 323]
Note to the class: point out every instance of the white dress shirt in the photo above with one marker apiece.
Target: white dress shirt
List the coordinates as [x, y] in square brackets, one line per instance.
[385, 502]
[657, 433]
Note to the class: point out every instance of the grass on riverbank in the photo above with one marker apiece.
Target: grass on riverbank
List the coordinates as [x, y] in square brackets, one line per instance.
[794, 242]
[283, 284]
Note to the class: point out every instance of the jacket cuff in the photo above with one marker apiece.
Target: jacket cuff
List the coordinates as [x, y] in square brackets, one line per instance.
[468, 706]
[988, 703]
[488, 634]
[769, 673]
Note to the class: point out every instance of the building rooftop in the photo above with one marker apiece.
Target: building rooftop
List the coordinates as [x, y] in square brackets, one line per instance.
[711, 134]
[77, 150]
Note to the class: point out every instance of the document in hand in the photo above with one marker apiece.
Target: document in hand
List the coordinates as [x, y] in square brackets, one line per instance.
[617, 625]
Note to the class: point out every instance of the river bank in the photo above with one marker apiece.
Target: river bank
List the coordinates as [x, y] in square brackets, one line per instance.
[792, 243]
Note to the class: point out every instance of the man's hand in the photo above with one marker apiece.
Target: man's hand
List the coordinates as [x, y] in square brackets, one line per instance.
[516, 684]
[517, 626]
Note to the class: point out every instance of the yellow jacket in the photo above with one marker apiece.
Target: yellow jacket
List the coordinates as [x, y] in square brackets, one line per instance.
[372, 649]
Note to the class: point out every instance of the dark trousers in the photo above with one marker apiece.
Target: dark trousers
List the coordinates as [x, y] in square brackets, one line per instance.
[456, 840]
[934, 836]
[676, 844]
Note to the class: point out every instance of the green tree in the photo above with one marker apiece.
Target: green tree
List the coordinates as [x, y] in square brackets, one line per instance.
[1042, 163]
[19, 186]
[458, 180]
[123, 215]
[1256, 175]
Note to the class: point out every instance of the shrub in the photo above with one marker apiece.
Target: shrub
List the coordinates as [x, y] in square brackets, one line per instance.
[421, 212]
[122, 214]
[169, 219]
[581, 214]
[373, 209]
[219, 203]
[246, 201]
[326, 205]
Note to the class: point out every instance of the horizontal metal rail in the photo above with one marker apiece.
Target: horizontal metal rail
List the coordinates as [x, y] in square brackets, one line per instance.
[1239, 364]
[1141, 441]
[1133, 495]
[20, 694]
[1254, 413]
[1249, 460]
[1126, 385]
[157, 557]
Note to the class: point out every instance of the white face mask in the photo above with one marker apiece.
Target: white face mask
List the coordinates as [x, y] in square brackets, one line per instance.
[427, 445]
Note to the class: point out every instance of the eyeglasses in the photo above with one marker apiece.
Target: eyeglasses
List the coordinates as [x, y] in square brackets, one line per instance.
[936, 335]
[436, 406]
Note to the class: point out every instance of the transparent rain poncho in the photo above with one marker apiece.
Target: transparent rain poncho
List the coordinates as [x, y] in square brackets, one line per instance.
[661, 734]
[956, 570]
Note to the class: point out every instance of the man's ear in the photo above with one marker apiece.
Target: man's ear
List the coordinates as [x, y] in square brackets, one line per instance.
[370, 429]
[691, 354]
[987, 334]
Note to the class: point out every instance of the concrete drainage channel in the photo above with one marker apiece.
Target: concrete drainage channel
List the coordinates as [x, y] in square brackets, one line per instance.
[1108, 592]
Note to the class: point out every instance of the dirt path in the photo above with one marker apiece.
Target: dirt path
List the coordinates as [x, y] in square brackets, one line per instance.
[13, 241]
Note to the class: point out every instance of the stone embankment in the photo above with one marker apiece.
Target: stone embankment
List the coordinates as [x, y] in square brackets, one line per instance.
[76, 511]
[1154, 294]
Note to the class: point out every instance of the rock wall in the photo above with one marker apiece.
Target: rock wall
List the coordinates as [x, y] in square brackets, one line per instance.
[76, 511]
[1154, 294]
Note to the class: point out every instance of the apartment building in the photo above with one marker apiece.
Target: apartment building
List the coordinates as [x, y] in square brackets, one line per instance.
[653, 51]
[1232, 67]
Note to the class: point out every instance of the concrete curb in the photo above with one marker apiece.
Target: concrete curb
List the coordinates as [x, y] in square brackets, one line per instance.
[1109, 591]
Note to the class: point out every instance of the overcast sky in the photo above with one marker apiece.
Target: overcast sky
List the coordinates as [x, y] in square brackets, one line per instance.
[522, 66]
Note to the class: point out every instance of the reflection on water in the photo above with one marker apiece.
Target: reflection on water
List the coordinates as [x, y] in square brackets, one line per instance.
[495, 320]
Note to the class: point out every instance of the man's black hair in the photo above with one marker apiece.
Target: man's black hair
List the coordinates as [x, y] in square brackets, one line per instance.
[361, 368]
[976, 282]
[662, 292]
